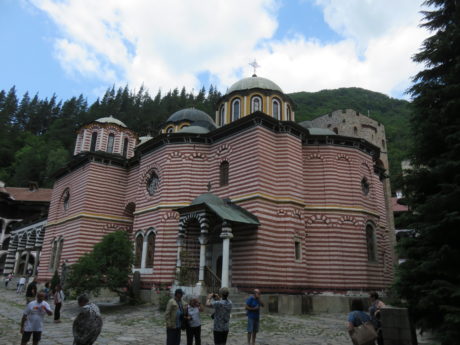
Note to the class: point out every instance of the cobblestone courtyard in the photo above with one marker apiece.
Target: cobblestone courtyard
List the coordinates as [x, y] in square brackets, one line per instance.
[144, 325]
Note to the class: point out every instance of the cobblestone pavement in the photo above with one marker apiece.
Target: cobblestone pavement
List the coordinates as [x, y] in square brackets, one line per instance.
[128, 325]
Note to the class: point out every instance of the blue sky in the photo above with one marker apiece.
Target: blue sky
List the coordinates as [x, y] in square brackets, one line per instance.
[77, 47]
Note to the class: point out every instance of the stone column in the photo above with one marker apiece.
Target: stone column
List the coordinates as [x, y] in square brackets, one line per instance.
[144, 252]
[16, 261]
[203, 241]
[180, 245]
[37, 256]
[26, 263]
[4, 225]
[226, 236]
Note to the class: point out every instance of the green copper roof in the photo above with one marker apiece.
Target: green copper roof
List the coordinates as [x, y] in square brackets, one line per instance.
[254, 82]
[225, 209]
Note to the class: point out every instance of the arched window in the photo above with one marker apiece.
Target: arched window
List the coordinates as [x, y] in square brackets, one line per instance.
[93, 142]
[336, 131]
[150, 250]
[138, 253]
[110, 142]
[236, 109]
[125, 147]
[370, 241]
[256, 104]
[288, 113]
[355, 131]
[66, 199]
[224, 169]
[383, 143]
[365, 186]
[58, 253]
[53, 255]
[222, 115]
[170, 129]
[276, 109]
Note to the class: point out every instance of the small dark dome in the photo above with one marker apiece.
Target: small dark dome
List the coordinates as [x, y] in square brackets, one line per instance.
[194, 116]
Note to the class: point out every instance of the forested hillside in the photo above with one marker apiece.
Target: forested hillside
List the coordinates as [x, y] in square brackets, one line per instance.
[37, 135]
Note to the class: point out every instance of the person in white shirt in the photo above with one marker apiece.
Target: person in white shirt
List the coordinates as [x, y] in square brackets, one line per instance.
[32, 319]
[192, 314]
[22, 282]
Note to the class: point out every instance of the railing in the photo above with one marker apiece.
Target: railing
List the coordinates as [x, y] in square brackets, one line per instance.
[212, 281]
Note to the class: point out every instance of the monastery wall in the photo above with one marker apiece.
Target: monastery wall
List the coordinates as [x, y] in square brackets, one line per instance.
[95, 208]
[336, 214]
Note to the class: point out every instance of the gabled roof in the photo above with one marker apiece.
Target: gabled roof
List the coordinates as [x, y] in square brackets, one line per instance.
[223, 209]
[26, 194]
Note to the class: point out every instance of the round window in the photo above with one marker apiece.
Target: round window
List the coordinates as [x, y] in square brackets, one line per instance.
[152, 183]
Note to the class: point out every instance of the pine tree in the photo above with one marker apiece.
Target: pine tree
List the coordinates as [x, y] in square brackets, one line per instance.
[429, 279]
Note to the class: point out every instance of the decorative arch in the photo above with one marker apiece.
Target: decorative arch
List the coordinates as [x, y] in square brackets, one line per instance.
[130, 208]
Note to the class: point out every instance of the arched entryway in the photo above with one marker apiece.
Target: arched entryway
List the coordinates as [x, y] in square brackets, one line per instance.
[190, 254]
[25, 267]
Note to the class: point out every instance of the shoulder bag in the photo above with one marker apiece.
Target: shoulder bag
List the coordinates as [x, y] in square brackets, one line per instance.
[364, 333]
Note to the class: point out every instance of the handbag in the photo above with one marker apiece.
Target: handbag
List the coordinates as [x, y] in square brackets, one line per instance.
[364, 333]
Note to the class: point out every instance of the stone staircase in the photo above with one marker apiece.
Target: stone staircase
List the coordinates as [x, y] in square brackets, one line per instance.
[239, 302]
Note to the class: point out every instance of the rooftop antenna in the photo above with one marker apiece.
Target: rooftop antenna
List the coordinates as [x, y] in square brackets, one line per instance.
[254, 65]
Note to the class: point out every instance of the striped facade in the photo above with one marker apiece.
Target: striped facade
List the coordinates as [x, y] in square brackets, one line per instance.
[319, 201]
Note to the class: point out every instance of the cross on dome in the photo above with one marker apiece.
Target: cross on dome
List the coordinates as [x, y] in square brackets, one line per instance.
[254, 65]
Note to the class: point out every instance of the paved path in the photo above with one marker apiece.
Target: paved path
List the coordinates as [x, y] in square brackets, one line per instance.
[129, 325]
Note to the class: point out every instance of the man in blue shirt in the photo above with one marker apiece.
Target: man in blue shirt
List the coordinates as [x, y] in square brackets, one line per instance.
[253, 304]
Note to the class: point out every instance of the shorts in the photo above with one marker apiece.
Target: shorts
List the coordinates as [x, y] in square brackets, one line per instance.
[253, 325]
[26, 337]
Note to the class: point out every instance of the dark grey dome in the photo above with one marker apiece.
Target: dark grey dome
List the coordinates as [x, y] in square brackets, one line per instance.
[194, 116]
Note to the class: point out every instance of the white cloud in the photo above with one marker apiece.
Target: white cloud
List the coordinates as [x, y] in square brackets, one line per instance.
[168, 44]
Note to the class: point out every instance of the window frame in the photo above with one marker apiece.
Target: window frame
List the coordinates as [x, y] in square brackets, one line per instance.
[110, 142]
[234, 102]
[253, 99]
[93, 142]
[297, 250]
[278, 104]
[147, 263]
[222, 115]
[371, 243]
[125, 147]
[224, 173]
[138, 250]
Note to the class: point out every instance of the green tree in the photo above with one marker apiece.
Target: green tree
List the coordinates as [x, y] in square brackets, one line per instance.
[430, 278]
[107, 266]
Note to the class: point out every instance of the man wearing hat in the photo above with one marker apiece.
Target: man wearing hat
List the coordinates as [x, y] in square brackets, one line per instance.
[222, 309]
[174, 317]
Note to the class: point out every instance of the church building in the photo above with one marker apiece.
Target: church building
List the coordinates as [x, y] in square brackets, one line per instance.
[244, 198]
